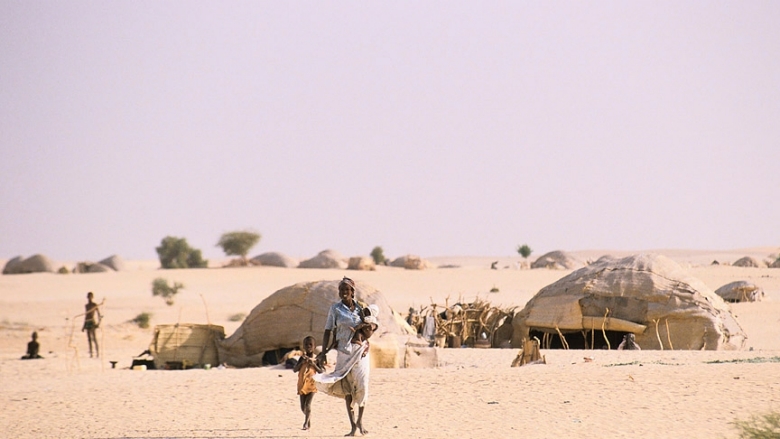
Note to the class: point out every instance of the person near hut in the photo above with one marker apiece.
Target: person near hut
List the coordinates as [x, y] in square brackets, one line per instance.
[32, 348]
[92, 319]
[306, 367]
[629, 343]
[349, 380]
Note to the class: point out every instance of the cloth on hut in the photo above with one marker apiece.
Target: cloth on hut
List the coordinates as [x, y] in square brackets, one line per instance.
[350, 377]
[429, 330]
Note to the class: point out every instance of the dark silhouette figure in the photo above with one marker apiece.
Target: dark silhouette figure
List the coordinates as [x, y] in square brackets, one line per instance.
[32, 348]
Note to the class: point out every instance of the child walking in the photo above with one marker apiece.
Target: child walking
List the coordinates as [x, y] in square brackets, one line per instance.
[306, 367]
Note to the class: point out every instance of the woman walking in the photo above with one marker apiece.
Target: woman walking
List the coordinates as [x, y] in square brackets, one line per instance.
[349, 380]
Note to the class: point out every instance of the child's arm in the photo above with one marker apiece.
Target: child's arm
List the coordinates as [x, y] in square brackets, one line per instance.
[300, 362]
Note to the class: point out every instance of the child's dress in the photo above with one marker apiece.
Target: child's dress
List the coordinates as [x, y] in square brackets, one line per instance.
[305, 381]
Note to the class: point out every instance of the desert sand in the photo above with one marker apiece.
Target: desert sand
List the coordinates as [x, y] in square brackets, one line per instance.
[473, 392]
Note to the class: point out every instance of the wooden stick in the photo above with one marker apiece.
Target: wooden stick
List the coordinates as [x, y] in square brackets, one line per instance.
[668, 336]
[604, 330]
[563, 339]
[658, 335]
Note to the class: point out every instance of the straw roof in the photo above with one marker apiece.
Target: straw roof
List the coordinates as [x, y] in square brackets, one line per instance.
[648, 295]
[34, 264]
[556, 260]
[114, 262]
[275, 259]
[747, 261]
[325, 259]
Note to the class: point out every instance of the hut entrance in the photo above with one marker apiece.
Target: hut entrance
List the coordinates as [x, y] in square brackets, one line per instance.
[585, 339]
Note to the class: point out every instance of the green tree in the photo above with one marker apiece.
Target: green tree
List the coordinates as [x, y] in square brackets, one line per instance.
[524, 251]
[238, 243]
[378, 255]
[176, 253]
[161, 288]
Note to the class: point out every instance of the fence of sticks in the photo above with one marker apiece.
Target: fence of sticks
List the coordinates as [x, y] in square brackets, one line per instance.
[476, 324]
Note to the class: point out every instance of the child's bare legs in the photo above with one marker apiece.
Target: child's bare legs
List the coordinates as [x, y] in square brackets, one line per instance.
[306, 409]
[92, 339]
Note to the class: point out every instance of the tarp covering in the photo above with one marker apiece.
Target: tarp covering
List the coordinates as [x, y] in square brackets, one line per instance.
[647, 294]
[192, 345]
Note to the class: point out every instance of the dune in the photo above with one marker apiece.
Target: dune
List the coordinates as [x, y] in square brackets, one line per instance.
[473, 392]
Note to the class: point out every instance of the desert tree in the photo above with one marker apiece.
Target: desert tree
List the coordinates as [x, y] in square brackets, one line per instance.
[238, 243]
[524, 251]
[378, 255]
[176, 253]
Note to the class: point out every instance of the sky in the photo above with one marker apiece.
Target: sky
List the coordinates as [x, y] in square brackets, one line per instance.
[438, 128]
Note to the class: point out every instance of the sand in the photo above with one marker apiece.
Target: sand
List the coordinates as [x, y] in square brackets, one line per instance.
[473, 393]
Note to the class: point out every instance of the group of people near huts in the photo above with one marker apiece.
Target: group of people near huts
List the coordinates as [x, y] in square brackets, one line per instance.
[348, 327]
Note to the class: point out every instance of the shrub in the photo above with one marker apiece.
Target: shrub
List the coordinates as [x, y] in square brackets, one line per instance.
[237, 317]
[378, 255]
[176, 253]
[142, 320]
[63, 270]
[161, 288]
[524, 251]
[766, 426]
[238, 243]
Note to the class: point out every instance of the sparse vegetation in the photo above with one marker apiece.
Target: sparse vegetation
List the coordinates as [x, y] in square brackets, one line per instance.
[63, 270]
[142, 320]
[766, 426]
[237, 317]
[378, 255]
[524, 251]
[161, 288]
[177, 253]
[238, 243]
[494, 289]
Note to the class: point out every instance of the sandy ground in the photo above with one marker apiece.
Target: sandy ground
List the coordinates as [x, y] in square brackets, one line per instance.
[473, 393]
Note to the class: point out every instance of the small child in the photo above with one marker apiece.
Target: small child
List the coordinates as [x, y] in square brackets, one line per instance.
[32, 348]
[306, 367]
[365, 329]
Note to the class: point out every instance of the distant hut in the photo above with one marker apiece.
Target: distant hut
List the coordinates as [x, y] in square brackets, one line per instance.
[648, 295]
[34, 264]
[740, 291]
[556, 260]
[747, 261]
[274, 259]
[285, 317]
[114, 262]
[363, 263]
[325, 259]
[411, 262]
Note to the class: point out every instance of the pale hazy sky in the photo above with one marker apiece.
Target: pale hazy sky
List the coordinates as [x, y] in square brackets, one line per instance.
[433, 128]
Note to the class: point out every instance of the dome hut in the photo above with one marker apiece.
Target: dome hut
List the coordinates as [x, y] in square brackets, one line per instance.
[740, 291]
[12, 265]
[325, 259]
[747, 261]
[411, 262]
[34, 264]
[274, 259]
[556, 260]
[648, 295]
[362, 263]
[284, 318]
[114, 262]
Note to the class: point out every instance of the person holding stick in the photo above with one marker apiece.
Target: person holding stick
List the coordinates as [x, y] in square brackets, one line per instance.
[92, 319]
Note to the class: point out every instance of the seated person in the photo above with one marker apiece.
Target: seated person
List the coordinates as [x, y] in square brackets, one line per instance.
[32, 348]
[629, 343]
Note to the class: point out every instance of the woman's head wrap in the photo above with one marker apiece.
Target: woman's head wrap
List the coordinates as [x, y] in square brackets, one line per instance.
[347, 281]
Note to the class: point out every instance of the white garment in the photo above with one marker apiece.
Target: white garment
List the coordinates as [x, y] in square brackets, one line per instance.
[429, 330]
[350, 376]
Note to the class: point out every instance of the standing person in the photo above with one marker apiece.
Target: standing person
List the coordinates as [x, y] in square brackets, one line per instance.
[349, 380]
[92, 319]
[306, 367]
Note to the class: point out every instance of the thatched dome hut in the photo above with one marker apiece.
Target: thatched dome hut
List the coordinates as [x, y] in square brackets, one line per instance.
[325, 259]
[747, 261]
[556, 260]
[411, 262]
[12, 265]
[284, 318]
[34, 264]
[114, 262]
[740, 291]
[648, 295]
[362, 263]
[274, 259]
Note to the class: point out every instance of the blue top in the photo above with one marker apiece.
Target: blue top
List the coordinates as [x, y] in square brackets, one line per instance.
[343, 320]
